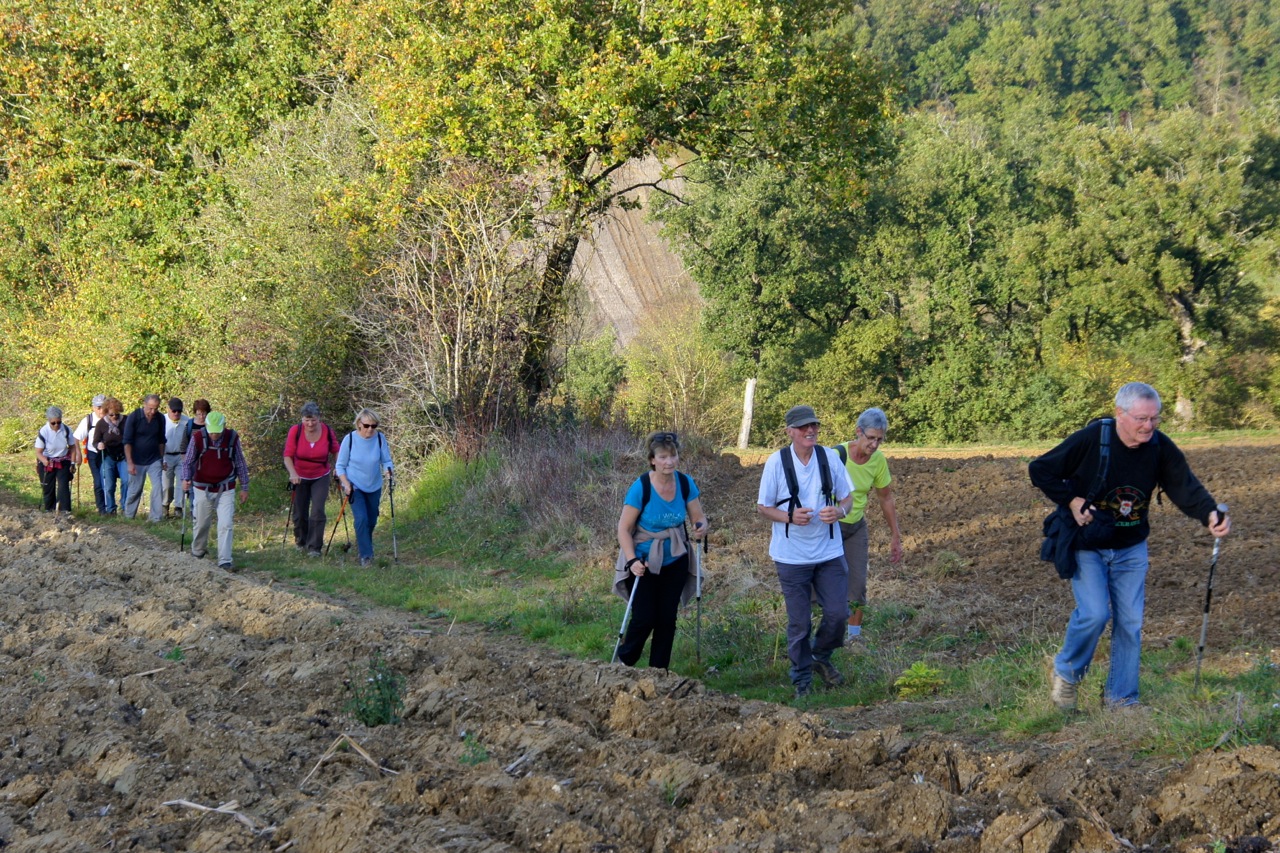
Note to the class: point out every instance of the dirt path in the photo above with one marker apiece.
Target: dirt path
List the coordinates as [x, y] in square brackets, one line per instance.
[508, 747]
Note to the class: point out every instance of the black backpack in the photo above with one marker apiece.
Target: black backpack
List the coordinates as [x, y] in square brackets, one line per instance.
[793, 484]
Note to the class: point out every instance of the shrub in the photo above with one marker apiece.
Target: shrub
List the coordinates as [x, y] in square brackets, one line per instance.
[376, 695]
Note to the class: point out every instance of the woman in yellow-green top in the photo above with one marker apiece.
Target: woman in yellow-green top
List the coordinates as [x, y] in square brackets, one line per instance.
[867, 468]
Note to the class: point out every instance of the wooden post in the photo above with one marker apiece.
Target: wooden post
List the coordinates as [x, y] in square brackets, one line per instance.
[748, 409]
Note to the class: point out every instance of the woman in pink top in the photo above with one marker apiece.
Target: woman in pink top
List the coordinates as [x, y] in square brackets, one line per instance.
[309, 452]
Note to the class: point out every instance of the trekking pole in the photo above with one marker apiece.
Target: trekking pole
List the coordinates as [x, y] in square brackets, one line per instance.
[1208, 596]
[293, 494]
[626, 617]
[391, 491]
[342, 513]
[697, 566]
[190, 508]
[346, 530]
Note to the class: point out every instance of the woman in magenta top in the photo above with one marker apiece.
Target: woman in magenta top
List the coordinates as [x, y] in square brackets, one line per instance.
[309, 452]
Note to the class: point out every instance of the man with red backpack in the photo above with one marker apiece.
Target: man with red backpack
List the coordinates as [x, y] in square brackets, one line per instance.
[214, 464]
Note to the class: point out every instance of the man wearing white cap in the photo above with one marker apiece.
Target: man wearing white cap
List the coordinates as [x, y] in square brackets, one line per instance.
[214, 464]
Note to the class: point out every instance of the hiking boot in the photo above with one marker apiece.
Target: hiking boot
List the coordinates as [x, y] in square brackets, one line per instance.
[828, 673]
[313, 553]
[226, 567]
[803, 691]
[1062, 693]
[365, 562]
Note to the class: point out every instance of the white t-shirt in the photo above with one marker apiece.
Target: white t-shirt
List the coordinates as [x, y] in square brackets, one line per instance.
[173, 433]
[85, 431]
[55, 445]
[811, 543]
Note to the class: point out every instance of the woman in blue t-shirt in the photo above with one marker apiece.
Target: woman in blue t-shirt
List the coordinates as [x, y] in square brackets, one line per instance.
[654, 551]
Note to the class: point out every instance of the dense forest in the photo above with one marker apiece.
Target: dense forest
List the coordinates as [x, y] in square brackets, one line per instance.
[982, 217]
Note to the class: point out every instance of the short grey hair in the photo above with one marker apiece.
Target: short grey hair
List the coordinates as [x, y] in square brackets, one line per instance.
[52, 412]
[366, 413]
[1135, 391]
[873, 418]
[151, 397]
[309, 410]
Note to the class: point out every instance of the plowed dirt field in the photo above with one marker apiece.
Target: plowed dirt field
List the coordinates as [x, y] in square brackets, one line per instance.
[110, 744]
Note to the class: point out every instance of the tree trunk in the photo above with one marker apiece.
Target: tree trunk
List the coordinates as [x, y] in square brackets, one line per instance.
[535, 366]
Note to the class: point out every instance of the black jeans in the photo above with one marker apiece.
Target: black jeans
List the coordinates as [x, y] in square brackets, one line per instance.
[309, 519]
[653, 610]
[57, 487]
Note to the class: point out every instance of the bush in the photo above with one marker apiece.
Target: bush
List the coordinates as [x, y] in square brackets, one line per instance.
[376, 695]
[677, 380]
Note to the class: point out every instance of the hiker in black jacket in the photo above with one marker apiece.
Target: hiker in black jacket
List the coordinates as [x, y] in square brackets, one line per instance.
[1109, 583]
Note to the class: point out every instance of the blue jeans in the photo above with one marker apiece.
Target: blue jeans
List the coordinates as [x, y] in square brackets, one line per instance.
[1109, 585]
[364, 514]
[95, 468]
[112, 471]
[829, 582]
[145, 472]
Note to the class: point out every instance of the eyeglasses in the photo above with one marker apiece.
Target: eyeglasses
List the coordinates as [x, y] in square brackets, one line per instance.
[368, 426]
[1154, 420]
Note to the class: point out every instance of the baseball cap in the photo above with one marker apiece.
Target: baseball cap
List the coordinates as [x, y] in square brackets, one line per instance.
[175, 404]
[99, 399]
[215, 422]
[798, 416]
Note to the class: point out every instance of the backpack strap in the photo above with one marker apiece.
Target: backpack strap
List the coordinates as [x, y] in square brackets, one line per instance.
[842, 450]
[828, 487]
[1104, 460]
[683, 487]
[793, 484]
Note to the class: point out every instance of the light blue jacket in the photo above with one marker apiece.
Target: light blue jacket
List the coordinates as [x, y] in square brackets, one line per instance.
[361, 460]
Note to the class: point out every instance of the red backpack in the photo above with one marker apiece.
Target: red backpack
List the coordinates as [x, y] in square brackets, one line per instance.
[215, 465]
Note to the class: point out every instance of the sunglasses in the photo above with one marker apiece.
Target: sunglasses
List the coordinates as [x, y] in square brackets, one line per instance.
[368, 426]
[55, 423]
[663, 438]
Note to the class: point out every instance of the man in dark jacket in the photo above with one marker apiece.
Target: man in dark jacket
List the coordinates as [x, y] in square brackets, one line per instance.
[1111, 559]
[144, 452]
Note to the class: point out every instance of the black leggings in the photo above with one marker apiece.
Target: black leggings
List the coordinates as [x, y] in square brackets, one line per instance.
[653, 610]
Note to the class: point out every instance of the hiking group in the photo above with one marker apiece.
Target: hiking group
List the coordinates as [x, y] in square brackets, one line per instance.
[197, 470]
[808, 492]
[1103, 490]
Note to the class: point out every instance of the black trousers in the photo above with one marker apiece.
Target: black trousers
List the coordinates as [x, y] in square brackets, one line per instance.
[653, 611]
[57, 488]
[309, 519]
